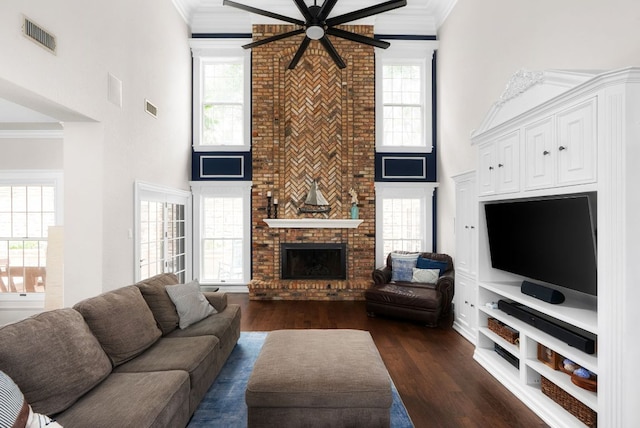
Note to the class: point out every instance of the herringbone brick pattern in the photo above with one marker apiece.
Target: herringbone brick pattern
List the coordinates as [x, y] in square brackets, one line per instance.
[313, 138]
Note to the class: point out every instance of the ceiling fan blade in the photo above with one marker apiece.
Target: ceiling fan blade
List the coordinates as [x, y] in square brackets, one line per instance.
[262, 12]
[326, 8]
[368, 11]
[299, 53]
[273, 38]
[304, 10]
[358, 38]
[333, 53]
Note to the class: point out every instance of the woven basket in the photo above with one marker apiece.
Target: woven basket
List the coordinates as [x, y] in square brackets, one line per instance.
[586, 415]
[503, 330]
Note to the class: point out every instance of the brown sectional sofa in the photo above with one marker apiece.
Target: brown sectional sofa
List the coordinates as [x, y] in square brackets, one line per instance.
[119, 359]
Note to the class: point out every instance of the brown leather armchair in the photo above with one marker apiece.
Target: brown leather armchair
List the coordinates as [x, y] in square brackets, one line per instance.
[424, 302]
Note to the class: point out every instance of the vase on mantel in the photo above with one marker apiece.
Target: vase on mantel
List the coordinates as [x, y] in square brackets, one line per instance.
[355, 211]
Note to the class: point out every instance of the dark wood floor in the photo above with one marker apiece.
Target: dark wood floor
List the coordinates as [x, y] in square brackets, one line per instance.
[433, 369]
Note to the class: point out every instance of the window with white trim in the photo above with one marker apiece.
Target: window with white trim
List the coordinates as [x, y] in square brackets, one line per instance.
[223, 226]
[404, 97]
[221, 95]
[162, 231]
[30, 202]
[404, 218]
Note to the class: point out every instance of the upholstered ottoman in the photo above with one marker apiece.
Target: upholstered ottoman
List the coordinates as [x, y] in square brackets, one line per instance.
[319, 378]
[405, 301]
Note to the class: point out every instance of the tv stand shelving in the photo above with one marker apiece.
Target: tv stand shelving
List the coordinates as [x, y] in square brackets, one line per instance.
[557, 133]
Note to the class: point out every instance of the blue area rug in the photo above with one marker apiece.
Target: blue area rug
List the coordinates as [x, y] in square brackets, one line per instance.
[224, 406]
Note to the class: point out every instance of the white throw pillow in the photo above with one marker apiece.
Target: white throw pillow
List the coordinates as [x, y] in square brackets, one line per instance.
[430, 276]
[190, 303]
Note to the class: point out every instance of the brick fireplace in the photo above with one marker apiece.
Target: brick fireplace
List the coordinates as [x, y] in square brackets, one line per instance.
[315, 122]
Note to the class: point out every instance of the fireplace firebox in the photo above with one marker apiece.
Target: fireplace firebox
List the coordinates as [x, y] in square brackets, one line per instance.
[313, 261]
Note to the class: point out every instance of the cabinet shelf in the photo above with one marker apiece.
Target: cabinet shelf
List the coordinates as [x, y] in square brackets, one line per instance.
[563, 380]
[578, 310]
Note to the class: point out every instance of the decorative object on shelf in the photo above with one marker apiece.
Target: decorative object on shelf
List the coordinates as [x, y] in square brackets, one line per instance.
[572, 405]
[549, 356]
[504, 331]
[269, 204]
[315, 201]
[585, 379]
[355, 211]
[568, 366]
[275, 207]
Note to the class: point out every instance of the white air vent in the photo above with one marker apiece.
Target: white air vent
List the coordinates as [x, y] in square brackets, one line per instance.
[150, 108]
[39, 35]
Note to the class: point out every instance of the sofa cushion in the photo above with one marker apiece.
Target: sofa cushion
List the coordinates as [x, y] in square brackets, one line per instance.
[195, 355]
[150, 399]
[402, 266]
[122, 322]
[154, 293]
[190, 303]
[54, 358]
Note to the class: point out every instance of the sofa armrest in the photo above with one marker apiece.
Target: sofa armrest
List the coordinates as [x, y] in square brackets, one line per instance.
[446, 286]
[217, 300]
[381, 276]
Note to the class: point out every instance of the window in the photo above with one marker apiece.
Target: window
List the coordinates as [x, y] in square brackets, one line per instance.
[222, 106]
[30, 203]
[162, 237]
[221, 103]
[223, 230]
[403, 107]
[404, 218]
[403, 87]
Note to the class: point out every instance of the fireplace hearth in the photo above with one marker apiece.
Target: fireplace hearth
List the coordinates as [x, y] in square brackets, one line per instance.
[313, 261]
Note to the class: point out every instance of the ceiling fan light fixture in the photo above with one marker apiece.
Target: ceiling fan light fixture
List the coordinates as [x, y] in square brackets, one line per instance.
[315, 32]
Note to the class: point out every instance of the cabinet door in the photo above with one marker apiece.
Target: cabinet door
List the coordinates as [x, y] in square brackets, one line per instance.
[539, 155]
[465, 310]
[508, 166]
[487, 172]
[466, 226]
[576, 148]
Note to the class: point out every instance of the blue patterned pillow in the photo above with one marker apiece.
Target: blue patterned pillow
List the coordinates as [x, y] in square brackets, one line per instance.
[424, 263]
[402, 266]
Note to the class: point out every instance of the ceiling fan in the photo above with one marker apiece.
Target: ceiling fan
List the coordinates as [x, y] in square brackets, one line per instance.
[317, 25]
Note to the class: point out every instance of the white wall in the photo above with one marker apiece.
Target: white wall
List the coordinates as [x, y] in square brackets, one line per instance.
[483, 43]
[144, 43]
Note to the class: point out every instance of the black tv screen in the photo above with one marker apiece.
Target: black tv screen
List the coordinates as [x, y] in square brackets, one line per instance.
[551, 240]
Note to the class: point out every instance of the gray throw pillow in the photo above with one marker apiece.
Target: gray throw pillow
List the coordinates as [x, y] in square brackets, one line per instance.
[429, 276]
[190, 303]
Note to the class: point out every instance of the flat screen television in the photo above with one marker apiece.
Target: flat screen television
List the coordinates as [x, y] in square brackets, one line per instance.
[549, 239]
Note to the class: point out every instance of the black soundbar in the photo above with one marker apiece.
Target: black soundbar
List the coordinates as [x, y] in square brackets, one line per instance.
[569, 334]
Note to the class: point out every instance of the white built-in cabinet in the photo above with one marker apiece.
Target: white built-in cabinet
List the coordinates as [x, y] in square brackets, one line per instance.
[500, 165]
[464, 300]
[554, 133]
[560, 149]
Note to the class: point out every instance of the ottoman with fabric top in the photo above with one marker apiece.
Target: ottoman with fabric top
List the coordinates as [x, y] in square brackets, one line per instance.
[319, 378]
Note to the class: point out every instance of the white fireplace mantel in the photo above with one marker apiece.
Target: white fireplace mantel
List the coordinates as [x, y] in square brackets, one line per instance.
[313, 223]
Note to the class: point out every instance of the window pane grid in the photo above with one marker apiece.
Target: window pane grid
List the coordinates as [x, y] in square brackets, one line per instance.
[162, 239]
[403, 109]
[26, 212]
[223, 104]
[222, 239]
[403, 224]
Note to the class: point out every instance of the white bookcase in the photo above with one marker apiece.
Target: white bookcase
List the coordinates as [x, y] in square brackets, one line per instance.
[553, 133]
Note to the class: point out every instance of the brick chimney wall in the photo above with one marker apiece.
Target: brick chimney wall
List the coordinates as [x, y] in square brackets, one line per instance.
[313, 122]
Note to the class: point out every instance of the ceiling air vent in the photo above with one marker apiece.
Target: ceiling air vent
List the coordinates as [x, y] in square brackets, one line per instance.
[150, 108]
[39, 35]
